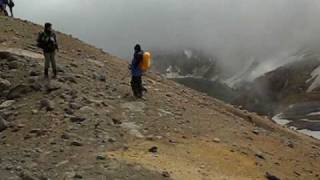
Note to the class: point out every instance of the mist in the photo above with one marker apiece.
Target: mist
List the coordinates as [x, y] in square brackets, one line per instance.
[233, 31]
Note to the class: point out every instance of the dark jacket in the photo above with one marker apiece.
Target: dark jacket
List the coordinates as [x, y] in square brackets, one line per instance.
[135, 65]
[47, 42]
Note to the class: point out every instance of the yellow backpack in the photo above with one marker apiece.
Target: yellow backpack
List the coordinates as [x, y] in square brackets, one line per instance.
[146, 62]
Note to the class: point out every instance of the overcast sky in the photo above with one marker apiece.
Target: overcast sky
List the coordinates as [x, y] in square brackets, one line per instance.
[232, 30]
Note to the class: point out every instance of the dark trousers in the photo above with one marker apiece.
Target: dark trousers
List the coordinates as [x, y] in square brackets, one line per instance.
[136, 85]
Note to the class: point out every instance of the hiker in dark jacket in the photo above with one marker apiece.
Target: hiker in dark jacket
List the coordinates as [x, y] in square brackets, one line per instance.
[10, 4]
[47, 41]
[136, 72]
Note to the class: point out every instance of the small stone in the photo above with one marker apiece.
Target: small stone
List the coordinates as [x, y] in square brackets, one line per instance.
[256, 131]
[76, 143]
[77, 119]
[77, 176]
[47, 104]
[116, 121]
[291, 145]
[165, 174]
[53, 86]
[26, 176]
[34, 111]
[65, 136]
[112, 140]
[216, 140]
[260, 155]
[271, 177]
[101, 157]
[75, 106]
[99, 77]
[34, 73]
[154, 149]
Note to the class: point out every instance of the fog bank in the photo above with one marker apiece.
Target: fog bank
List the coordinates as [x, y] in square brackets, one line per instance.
[233, 31]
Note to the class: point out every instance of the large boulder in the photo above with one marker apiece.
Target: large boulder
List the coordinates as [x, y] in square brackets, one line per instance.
[18, 91]
[3, 124]
[4, 84]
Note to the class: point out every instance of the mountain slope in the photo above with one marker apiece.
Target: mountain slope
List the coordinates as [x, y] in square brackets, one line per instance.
[85, 125]
[290, 91]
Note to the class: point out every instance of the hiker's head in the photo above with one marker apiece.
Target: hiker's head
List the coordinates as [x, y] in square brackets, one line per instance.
[137, 47]
[48, 27]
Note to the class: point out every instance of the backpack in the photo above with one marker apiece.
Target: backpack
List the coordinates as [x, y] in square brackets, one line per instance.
[146, 62]
[40, 42]
[47, 42]
[10, 3]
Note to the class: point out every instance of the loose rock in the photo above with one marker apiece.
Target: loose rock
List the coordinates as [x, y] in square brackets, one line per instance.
[216, 140]
[3, 124]
[165, 174]
[271, 177]
[154, 149]
[76, 143]
[47, 104]
[7, 104]
[18, 91]
[77, 119]
[4, 84]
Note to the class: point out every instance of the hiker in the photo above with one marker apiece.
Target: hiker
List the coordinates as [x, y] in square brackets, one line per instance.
[136, 72]
[3, 10]
[47, 41]
[10, 4]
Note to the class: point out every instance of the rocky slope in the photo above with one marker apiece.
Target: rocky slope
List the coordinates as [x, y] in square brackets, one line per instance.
[85, 124]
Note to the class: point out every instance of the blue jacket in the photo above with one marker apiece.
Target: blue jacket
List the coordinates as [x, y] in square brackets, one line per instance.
[135, 65]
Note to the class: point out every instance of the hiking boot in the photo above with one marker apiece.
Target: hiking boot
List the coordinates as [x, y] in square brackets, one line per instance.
[54, 74]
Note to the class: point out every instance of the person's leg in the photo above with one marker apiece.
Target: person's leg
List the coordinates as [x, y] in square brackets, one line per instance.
[140, 87]
[46, 64]
[53, 63]
[11, 11]
[134, 86]
[5, 10]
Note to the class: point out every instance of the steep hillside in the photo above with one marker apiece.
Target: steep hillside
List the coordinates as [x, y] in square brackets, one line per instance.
[86, 125]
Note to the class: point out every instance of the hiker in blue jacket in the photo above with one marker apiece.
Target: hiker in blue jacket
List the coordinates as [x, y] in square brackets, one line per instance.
[3, 10]
[136, 72]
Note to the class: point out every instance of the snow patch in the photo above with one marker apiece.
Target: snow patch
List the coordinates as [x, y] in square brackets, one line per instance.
[315, 77]
[314, 114]
[243, 75]
[188, 53]
[315, 134]
[279, 120]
